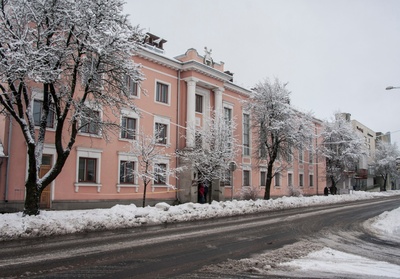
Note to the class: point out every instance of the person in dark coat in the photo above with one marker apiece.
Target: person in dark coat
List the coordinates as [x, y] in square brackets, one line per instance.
[201, 193]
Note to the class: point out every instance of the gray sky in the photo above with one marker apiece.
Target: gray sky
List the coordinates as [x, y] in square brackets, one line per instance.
[337, 55]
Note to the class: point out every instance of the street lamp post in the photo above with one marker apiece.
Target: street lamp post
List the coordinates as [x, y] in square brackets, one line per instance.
[392, 87]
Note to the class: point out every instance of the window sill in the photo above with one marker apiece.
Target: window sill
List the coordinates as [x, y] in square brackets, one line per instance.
[90, 135]
[77, 185]
[119, 186]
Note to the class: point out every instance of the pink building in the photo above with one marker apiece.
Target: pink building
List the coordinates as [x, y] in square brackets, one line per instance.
[176, 95]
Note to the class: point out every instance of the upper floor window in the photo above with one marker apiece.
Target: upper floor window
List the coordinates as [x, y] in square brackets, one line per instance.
[90, 122]
[246, 134]
[37, 114]
[128, 128]
[131, 86]
[161, 131]
[162, 93]
[228, 115]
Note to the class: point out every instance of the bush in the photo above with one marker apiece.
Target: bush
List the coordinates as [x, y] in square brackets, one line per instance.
[249, 192]
[295, 192]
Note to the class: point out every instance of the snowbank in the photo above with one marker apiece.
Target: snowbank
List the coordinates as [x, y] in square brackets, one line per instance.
[125, 216]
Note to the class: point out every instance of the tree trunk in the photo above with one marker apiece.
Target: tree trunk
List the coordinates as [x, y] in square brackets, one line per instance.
[267, 194]
[32, 199]
[144, 192]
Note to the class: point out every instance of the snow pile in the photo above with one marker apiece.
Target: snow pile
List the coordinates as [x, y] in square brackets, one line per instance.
[125, 216]
[335, 262]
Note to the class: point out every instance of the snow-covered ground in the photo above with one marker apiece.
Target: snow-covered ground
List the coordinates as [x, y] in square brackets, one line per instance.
[14, 226]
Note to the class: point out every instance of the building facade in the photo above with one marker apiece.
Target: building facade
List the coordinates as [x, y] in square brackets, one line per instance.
[176, 98]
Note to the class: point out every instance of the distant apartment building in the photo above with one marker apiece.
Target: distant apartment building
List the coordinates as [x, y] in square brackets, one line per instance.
[176, 96]
[363, 177]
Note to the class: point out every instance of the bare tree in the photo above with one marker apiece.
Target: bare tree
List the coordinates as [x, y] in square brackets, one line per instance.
[279, 127]
[384, 162]
[342, 148]
[74, 56]
[215, 148]
[150, 155]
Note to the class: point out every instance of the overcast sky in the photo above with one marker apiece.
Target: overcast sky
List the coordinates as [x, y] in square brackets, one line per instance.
[336, 55]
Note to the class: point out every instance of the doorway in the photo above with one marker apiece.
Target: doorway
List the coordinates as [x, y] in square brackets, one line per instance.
[45, 198]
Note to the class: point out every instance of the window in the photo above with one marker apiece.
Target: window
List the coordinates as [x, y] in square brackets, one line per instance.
[228, 178]
[161, 133]
[131, 86]
[290, 155]
[228, 115]
[301, 155]
[162, 93]
[160, 171]
[199, 103]
[246, 134]
[90, 122]
[263, 178]
[126, 172]
[228, 120]
[246, 178]
[301, 180]
[128, 128]
[37, 114]
[310, 157]
[311, 180]
[290, 179]
[277, 179]
[198, 140]
[87, 169]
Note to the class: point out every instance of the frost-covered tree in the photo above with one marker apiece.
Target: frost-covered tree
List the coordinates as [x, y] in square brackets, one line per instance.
[342, 148]
[279, 128]
[215, 148]
[150, 157]
[72, 57]
[384, 161]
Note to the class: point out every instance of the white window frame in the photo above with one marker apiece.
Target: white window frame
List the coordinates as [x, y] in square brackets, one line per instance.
[93, 154]
[249, 134]
[246, 168]
[169, 92]
[129, 114]
[122, 156]
[166, 121]
[137, 89]
[290, 181]
[167, 184]
[301, 179]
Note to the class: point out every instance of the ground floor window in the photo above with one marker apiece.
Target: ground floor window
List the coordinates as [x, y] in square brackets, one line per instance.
[263, 178]
[246, 178]
[87, 169]
[126, 172]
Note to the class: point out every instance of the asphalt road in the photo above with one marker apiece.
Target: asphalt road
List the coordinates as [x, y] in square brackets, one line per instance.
[183, 250]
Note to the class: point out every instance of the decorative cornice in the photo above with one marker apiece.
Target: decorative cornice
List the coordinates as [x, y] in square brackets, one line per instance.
[237, 89]
[191, 66]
